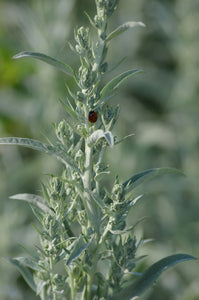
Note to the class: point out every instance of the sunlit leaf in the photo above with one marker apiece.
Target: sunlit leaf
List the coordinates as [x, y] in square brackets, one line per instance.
[97, 135]
[47, 59]
[42, 147]
[123, 28]
[35, 200]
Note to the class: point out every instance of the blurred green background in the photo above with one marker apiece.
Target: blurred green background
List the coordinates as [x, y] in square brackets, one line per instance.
[161, 107]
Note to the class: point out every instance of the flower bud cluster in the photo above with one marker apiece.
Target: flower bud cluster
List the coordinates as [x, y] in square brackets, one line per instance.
[87, 77]
[107, 6]
[50, 237]
[64, 133]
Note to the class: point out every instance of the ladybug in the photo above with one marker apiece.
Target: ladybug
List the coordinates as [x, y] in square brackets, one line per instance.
[92, 116]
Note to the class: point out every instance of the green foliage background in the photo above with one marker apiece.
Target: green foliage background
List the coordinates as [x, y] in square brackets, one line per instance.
[161, 107]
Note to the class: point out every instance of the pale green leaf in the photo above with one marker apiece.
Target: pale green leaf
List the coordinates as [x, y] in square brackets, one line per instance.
[49, 60]
[131, 228]
[42, 147]
[69, 110]
[122, 28]
[24, 272]
[90, 20]
[109, 138]
[101, 175]
[30, 263]
[97, 135]
[35, 200]
[79, 248]
[115, 82]
[97, 199]
[124, 138]
[40, 285]
[141, 177]
[150, 276]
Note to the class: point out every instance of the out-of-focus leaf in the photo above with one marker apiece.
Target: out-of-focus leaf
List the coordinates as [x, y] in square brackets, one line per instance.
[122, 28]
[100, 175]
[24, 272]
[48, 59]
[139, 178]
[124, 138]
[150, 276]
[115, 82]
[30, 263]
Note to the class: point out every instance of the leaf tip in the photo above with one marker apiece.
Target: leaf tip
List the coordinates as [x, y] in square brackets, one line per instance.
[141, 24]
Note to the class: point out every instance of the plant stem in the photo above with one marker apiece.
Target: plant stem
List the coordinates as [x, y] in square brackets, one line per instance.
[92, 272]
[73, 292]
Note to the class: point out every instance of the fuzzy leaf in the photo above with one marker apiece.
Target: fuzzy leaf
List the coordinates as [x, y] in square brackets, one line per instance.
[109, 138]
[131, 228]
[141, 177]
[35, 200]
[69, 110]
[42, 147]
[79, 248]
[115, 82]
[150, 276]
[24, 272]
[101, 175]
[30, 263]
[124, 138]
[97, 135]
[122, 28]
[40, 285]
[97, 199]
[49, 60]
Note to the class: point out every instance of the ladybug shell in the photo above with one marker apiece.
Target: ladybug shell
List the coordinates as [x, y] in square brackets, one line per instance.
[92, 116]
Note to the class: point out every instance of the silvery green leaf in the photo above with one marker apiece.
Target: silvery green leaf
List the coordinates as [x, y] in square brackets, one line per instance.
[79, 248]
[97, 135]
[100, 175]
[124, 138]
[115, 82]
[30, 263]
[150, 276]
[103, 101]
[69, 110]
[49, 60]
[40, 285]
[94, 137]
[131, 228]
[24, 272]
[122, 28]
[141, 177]
[109, 138]
[90, 20]
[42, 147]
[35, 200]
[97, 199]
